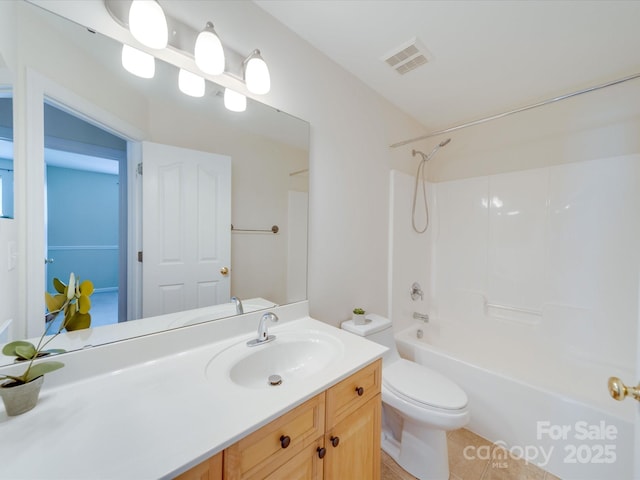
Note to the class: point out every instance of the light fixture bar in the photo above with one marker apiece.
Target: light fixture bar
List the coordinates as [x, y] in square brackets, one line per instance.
[182, 38]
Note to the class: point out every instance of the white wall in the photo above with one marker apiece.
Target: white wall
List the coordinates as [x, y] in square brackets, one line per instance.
[577, 266]
[599, 124]
[351, 128]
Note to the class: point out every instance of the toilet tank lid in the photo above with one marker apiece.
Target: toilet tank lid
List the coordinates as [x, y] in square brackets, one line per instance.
[374, 323]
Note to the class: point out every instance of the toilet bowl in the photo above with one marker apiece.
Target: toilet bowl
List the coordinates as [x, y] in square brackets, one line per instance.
[419, 406]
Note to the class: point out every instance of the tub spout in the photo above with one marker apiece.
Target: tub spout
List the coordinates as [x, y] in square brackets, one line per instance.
[421, 316]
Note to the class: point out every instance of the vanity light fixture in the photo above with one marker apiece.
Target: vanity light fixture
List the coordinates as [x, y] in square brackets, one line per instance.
[190, 83]
[234, 101]
[256, 74]
[138, 62]
[208, 52]
[148, 23]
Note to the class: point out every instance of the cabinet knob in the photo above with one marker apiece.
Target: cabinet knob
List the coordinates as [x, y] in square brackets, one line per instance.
[285, 440]
[335, 441]
[360, 391]
[321, 452]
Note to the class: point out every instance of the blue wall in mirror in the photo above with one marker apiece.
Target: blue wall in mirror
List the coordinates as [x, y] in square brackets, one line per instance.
[83, 226]
[6, 156]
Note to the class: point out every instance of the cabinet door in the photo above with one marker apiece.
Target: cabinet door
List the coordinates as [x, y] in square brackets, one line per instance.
[210, 469]
[306, 465]
[356, 454]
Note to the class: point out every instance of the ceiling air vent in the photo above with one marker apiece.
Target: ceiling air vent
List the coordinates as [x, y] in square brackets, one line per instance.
[408, 56]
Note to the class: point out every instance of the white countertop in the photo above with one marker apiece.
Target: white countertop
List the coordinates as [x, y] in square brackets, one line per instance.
[158, 417]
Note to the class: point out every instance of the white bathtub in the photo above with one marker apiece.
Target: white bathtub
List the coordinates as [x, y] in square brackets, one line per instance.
[531, 402]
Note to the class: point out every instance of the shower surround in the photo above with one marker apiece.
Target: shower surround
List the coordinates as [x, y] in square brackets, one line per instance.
[531, 279]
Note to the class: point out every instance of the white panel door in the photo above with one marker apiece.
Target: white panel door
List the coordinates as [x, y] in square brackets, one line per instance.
[186, 234]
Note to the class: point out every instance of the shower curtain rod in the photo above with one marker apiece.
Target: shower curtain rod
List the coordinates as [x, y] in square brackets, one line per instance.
[517, 110]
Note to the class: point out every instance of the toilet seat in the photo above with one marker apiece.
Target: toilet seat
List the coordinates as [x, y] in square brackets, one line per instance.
[422, 386]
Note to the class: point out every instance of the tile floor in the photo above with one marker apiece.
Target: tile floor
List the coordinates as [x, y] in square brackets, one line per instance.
[500, 467]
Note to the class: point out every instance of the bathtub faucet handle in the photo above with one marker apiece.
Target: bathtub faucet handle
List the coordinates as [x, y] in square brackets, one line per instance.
[416, 291]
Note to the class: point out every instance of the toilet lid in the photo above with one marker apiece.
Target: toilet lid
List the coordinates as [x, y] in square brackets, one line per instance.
[423, 385]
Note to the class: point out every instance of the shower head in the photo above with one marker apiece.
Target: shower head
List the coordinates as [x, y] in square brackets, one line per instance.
[426, 158]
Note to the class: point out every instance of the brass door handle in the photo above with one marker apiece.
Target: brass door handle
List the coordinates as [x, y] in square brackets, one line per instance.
[618, 390]
[224, 271]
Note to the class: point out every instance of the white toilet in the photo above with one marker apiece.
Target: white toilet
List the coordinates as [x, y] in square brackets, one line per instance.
[418, 406]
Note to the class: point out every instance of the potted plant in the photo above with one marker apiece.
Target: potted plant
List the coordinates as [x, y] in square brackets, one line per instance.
[358, 316]
[20, 392]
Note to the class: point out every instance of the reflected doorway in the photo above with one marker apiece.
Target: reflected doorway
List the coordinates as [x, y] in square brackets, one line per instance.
[86, 210]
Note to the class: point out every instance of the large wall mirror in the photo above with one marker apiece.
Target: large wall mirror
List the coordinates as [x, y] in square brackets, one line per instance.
[99, 123]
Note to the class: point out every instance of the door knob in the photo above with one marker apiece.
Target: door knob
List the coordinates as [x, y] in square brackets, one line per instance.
[48, 260]
[618, 390]
[224, 270]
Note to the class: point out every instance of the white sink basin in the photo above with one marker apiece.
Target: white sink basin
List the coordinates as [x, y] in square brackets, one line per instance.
[292, 356]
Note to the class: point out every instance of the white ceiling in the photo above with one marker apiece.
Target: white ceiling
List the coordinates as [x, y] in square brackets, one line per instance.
[487, 56]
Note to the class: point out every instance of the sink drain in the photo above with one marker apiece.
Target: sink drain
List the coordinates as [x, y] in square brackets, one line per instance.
[275, 380]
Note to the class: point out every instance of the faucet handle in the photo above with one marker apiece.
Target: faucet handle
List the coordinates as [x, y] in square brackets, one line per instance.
[416, 291]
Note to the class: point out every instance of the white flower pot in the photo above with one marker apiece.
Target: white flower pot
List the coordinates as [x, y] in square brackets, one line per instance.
[21, 398]
[358, 319]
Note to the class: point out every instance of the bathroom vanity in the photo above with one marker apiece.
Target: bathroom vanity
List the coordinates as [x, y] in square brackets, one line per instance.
[194, 402]
[334, 435]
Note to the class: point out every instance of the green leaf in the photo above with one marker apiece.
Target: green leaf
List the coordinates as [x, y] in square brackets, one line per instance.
[42, 368]
[10, 348]
[59, 286]
[54, 303]
[86, 288]
[26, 351]
[78, 321]
[84, 304]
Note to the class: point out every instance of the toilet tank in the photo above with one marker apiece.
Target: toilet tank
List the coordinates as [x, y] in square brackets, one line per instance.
[377, 329]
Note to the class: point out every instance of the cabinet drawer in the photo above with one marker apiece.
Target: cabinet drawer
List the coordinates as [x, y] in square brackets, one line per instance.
[260, 453]
[353, 392]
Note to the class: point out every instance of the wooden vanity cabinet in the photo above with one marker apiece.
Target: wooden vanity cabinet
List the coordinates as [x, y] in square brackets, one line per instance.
[210, 469]
[334, 436]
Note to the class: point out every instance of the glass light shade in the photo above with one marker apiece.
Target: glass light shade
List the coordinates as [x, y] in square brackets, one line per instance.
[256, 74]
[234, 101]
[148, 24]
[208, 51]
[190, 83]
[139, 63]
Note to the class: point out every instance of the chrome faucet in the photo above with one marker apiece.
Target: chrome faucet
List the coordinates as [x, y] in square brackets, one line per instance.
[421, 316]
[263, 332]
[416, 291]
[239, 307]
